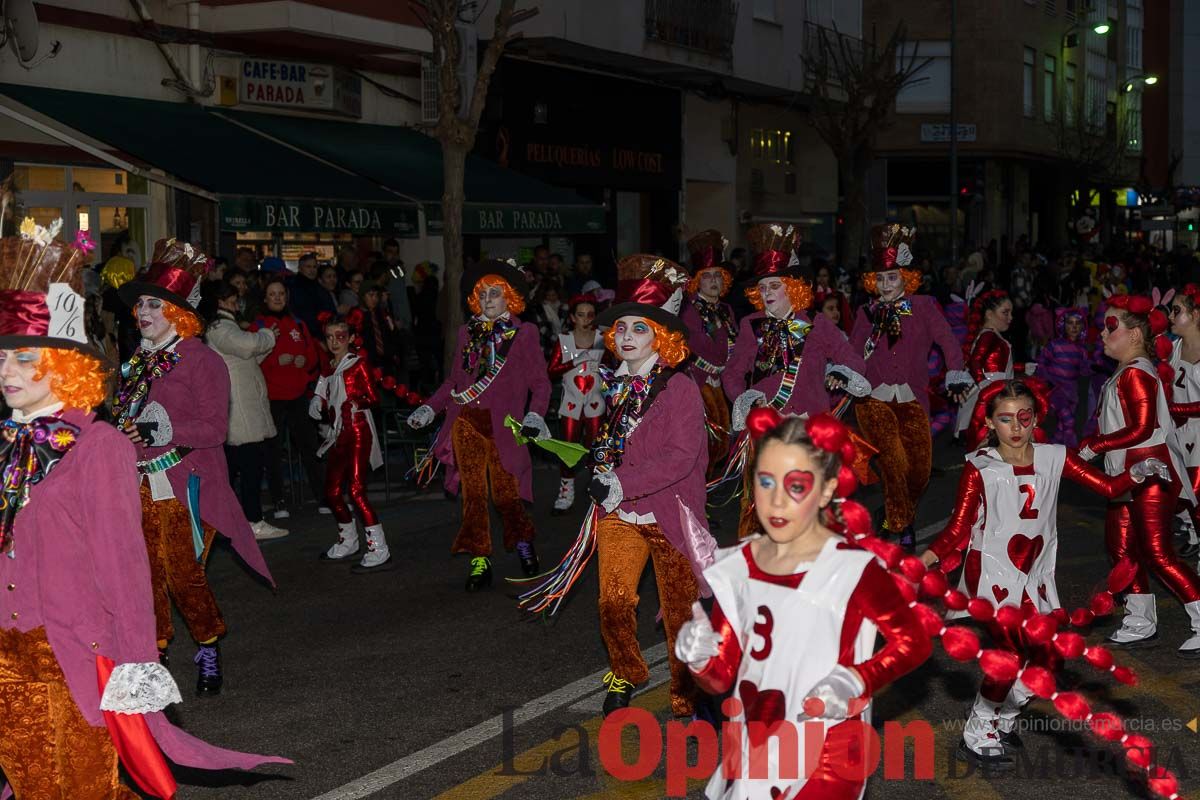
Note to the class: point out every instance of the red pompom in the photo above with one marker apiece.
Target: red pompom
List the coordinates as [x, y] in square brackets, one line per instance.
[354, 318]
[1162, 349]
[1102, 604]
[1069, 645]
[1008, 617]
[1139, 750]
[402, 388]
[358, 342]
[1137, 304]
[762, 420]
[1041, 628]
[904, 587]
[1000, 665]
[930, 620]
[960, 643]
[1061, 616]
[955, 600]
[1107, 725]
[1099, 657]
[1158, 326]
[913, 568]
[980, 609]
[414, 399]
[1039, 680]
[1163, 782]
[847, 483]
[827, 433]
[389, 382]
[1081, 617]
[1121, 575]
[377, 373]
[950, 562]
[1071, 705]
[933, 584]
[324, 316]
[1125, 675]
[857, 519]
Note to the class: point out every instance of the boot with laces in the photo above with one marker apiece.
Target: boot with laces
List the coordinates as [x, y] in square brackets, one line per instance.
[347, 543]
[480, 574]
[529, 559]
[566, 496]
[208, 664]
[378, 557]
[620, 692]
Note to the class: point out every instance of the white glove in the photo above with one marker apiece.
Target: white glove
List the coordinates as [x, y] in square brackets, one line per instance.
[315, 407]
[421, 417]
[835, 691]
[534, 427]
[1150, 468]
[285, 359]
[696, 641]
[742, 407]
[1086, 453]
[1030, 367]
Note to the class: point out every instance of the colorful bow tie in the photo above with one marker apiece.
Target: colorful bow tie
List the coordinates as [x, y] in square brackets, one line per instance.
[28, 451]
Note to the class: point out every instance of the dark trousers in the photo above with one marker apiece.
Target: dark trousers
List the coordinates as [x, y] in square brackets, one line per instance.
[291, 418]
[246, 465]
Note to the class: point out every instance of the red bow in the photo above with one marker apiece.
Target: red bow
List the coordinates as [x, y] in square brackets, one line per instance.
[1133, 303]
[762, 420]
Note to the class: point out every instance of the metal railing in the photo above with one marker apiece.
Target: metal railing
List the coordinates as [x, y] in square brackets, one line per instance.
[704, 25]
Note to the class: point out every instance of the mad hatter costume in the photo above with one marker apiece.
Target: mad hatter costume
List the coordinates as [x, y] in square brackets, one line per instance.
[173, 401]
[500, 371]
[895, 334]
[77, 650]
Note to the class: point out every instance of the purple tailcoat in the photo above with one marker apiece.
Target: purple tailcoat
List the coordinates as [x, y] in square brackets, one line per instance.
[665, 459]
[80, 570]
[713, 349]
[195, 394]
[908, 361]
[523, 378]
[825, 345]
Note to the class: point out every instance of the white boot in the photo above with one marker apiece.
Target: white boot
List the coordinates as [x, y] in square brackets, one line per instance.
[1018, 696]
[566, 494]
[981, 734]
[1140, 626]
[1191, 648]
[347, 543]
[378, 557]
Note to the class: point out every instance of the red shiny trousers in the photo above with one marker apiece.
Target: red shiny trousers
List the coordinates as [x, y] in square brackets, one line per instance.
[350, 462]
[579, 430]
[1194, 477]
[1015, 641]
[1140, 529]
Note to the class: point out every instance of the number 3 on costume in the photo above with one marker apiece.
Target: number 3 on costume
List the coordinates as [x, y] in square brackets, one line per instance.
[1028, 511]
[763, 629]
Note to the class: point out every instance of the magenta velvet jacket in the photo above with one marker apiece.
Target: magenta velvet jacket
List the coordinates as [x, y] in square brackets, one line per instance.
[825, 345]
[907, 362]
[714, 349]
[195, 394]
[663, 465]
[522, 380]
[80, 570]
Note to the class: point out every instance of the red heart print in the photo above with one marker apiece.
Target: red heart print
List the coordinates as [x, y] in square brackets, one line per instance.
[594, 406]
[585, 382]
[1190, 446]
[1025, 417]
[1042, 591]
[776, 794]
[1023, 551]
[999, 593]
[798, 483]
[570, 406]
[768, 707]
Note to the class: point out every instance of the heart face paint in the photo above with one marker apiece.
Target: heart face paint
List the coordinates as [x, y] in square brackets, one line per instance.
[1120, 342]
[1013, 420]
[798, 484]
[1111, 324]
[1025, 417]
[788, 491]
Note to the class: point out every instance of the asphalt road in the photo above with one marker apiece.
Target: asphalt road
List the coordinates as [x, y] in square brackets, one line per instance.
[401, 685]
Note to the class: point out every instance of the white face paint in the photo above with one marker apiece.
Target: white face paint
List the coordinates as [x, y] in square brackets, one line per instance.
[152, 324]
[23, 391]
[635, 341]
[773, 292]
[492, 303]
[711, 284]
[890, 284]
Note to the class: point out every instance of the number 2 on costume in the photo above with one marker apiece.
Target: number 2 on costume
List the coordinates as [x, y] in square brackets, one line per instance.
[1028, 511]
[763, 629]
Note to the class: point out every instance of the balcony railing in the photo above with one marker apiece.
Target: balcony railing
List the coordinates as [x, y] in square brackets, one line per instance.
[703, 25]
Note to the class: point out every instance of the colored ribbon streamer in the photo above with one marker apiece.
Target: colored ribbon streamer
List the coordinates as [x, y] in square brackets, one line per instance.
[568, 452]
[193, 496]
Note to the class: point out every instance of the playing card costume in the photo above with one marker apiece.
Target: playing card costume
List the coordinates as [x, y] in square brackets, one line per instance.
[498, 371]
[80, 680]
[176, 394]
[581, 409]
[989, 358]
[712, 331]
[894, 337]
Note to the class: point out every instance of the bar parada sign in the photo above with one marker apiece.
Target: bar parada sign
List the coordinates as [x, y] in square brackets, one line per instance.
[479, 219]
[255, 214]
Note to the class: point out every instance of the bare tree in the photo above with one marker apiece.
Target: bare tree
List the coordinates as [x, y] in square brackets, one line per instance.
[854, 85]
[457, 132]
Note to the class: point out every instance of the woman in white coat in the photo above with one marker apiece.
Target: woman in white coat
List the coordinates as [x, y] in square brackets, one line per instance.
[250, 423]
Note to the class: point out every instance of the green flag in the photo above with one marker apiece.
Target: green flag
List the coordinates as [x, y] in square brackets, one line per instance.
[568, 452]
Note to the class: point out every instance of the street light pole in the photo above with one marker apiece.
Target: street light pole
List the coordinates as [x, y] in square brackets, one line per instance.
[953, 144]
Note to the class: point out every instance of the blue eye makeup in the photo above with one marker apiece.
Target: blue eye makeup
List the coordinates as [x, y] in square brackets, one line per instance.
[766, 481]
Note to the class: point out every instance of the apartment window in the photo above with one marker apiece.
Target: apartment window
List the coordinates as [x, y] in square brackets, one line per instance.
[819, 12]
[1069, 101]
[1048, 94]
[1133, 34]
[1133, 119]
[756, 143]
[1051, 8]
[1027, 74]
[1094, 102]
[766, 10]
[1069, 10]
[930, 94]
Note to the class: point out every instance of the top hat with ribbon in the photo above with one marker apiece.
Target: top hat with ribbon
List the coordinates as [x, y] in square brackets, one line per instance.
[774, 248]
[706, 250]
[648, 286]
[41, 289]
[891, 247]
[175, 272]
[505, 270]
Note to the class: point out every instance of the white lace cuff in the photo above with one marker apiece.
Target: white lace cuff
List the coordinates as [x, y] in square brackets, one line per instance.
[959, 377]
[154, 412]
[616, 495]
[534, 420]
[742, 406]
[141, 688]
[856, 385]
[421, 417]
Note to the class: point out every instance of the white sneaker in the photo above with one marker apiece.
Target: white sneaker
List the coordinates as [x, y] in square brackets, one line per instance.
[264, 530]
[566, 494]
[347, 543]
[324, 509]
[281, 512]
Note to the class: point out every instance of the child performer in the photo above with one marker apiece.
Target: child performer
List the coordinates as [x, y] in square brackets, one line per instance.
[77, 650]
[1135, 423]
[1184, 395]
[576, 360]
[1062, 362]
[711, 334]
[1005, 517]
[500, 372]
[989, 357]
[344, 397]
[796, 612]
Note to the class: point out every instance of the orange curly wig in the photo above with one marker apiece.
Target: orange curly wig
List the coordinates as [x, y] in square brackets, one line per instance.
[77, 379]
[516, 303]
[799, 292]
[671, 346]
[186, 323]
[693, 285]
[912, 281]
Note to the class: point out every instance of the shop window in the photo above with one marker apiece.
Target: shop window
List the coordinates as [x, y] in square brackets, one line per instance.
[100, 181]
[44, 215]
[789, 148]
[29, 178]
[771, 148]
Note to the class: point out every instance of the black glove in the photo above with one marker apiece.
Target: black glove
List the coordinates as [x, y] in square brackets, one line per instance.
[146, 430]
[530, 432]
[957, 389]
[598, 490]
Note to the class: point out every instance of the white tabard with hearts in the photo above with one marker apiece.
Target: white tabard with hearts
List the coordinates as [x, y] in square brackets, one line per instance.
[789, 639]
[1014, 543]
[582, 394]
[1186, 389]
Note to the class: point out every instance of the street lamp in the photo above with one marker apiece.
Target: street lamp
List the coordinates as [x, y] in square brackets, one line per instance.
[1147, 80]
[1102, 28]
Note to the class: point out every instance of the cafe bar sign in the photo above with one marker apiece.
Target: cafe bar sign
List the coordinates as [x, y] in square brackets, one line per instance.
[509, 220]
[315, 216]
[291, 84]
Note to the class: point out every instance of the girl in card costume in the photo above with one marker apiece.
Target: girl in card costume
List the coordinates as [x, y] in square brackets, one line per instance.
[1184, 395]
[343, 399]
[77, 651]
[173, 402]
[894, 334]
[795, 616]
[500, 371]
[1135, 423]
[576, 361]
[648, 487]
[782, 359]
[989, 358]
[712, 331]
[1005, 518]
